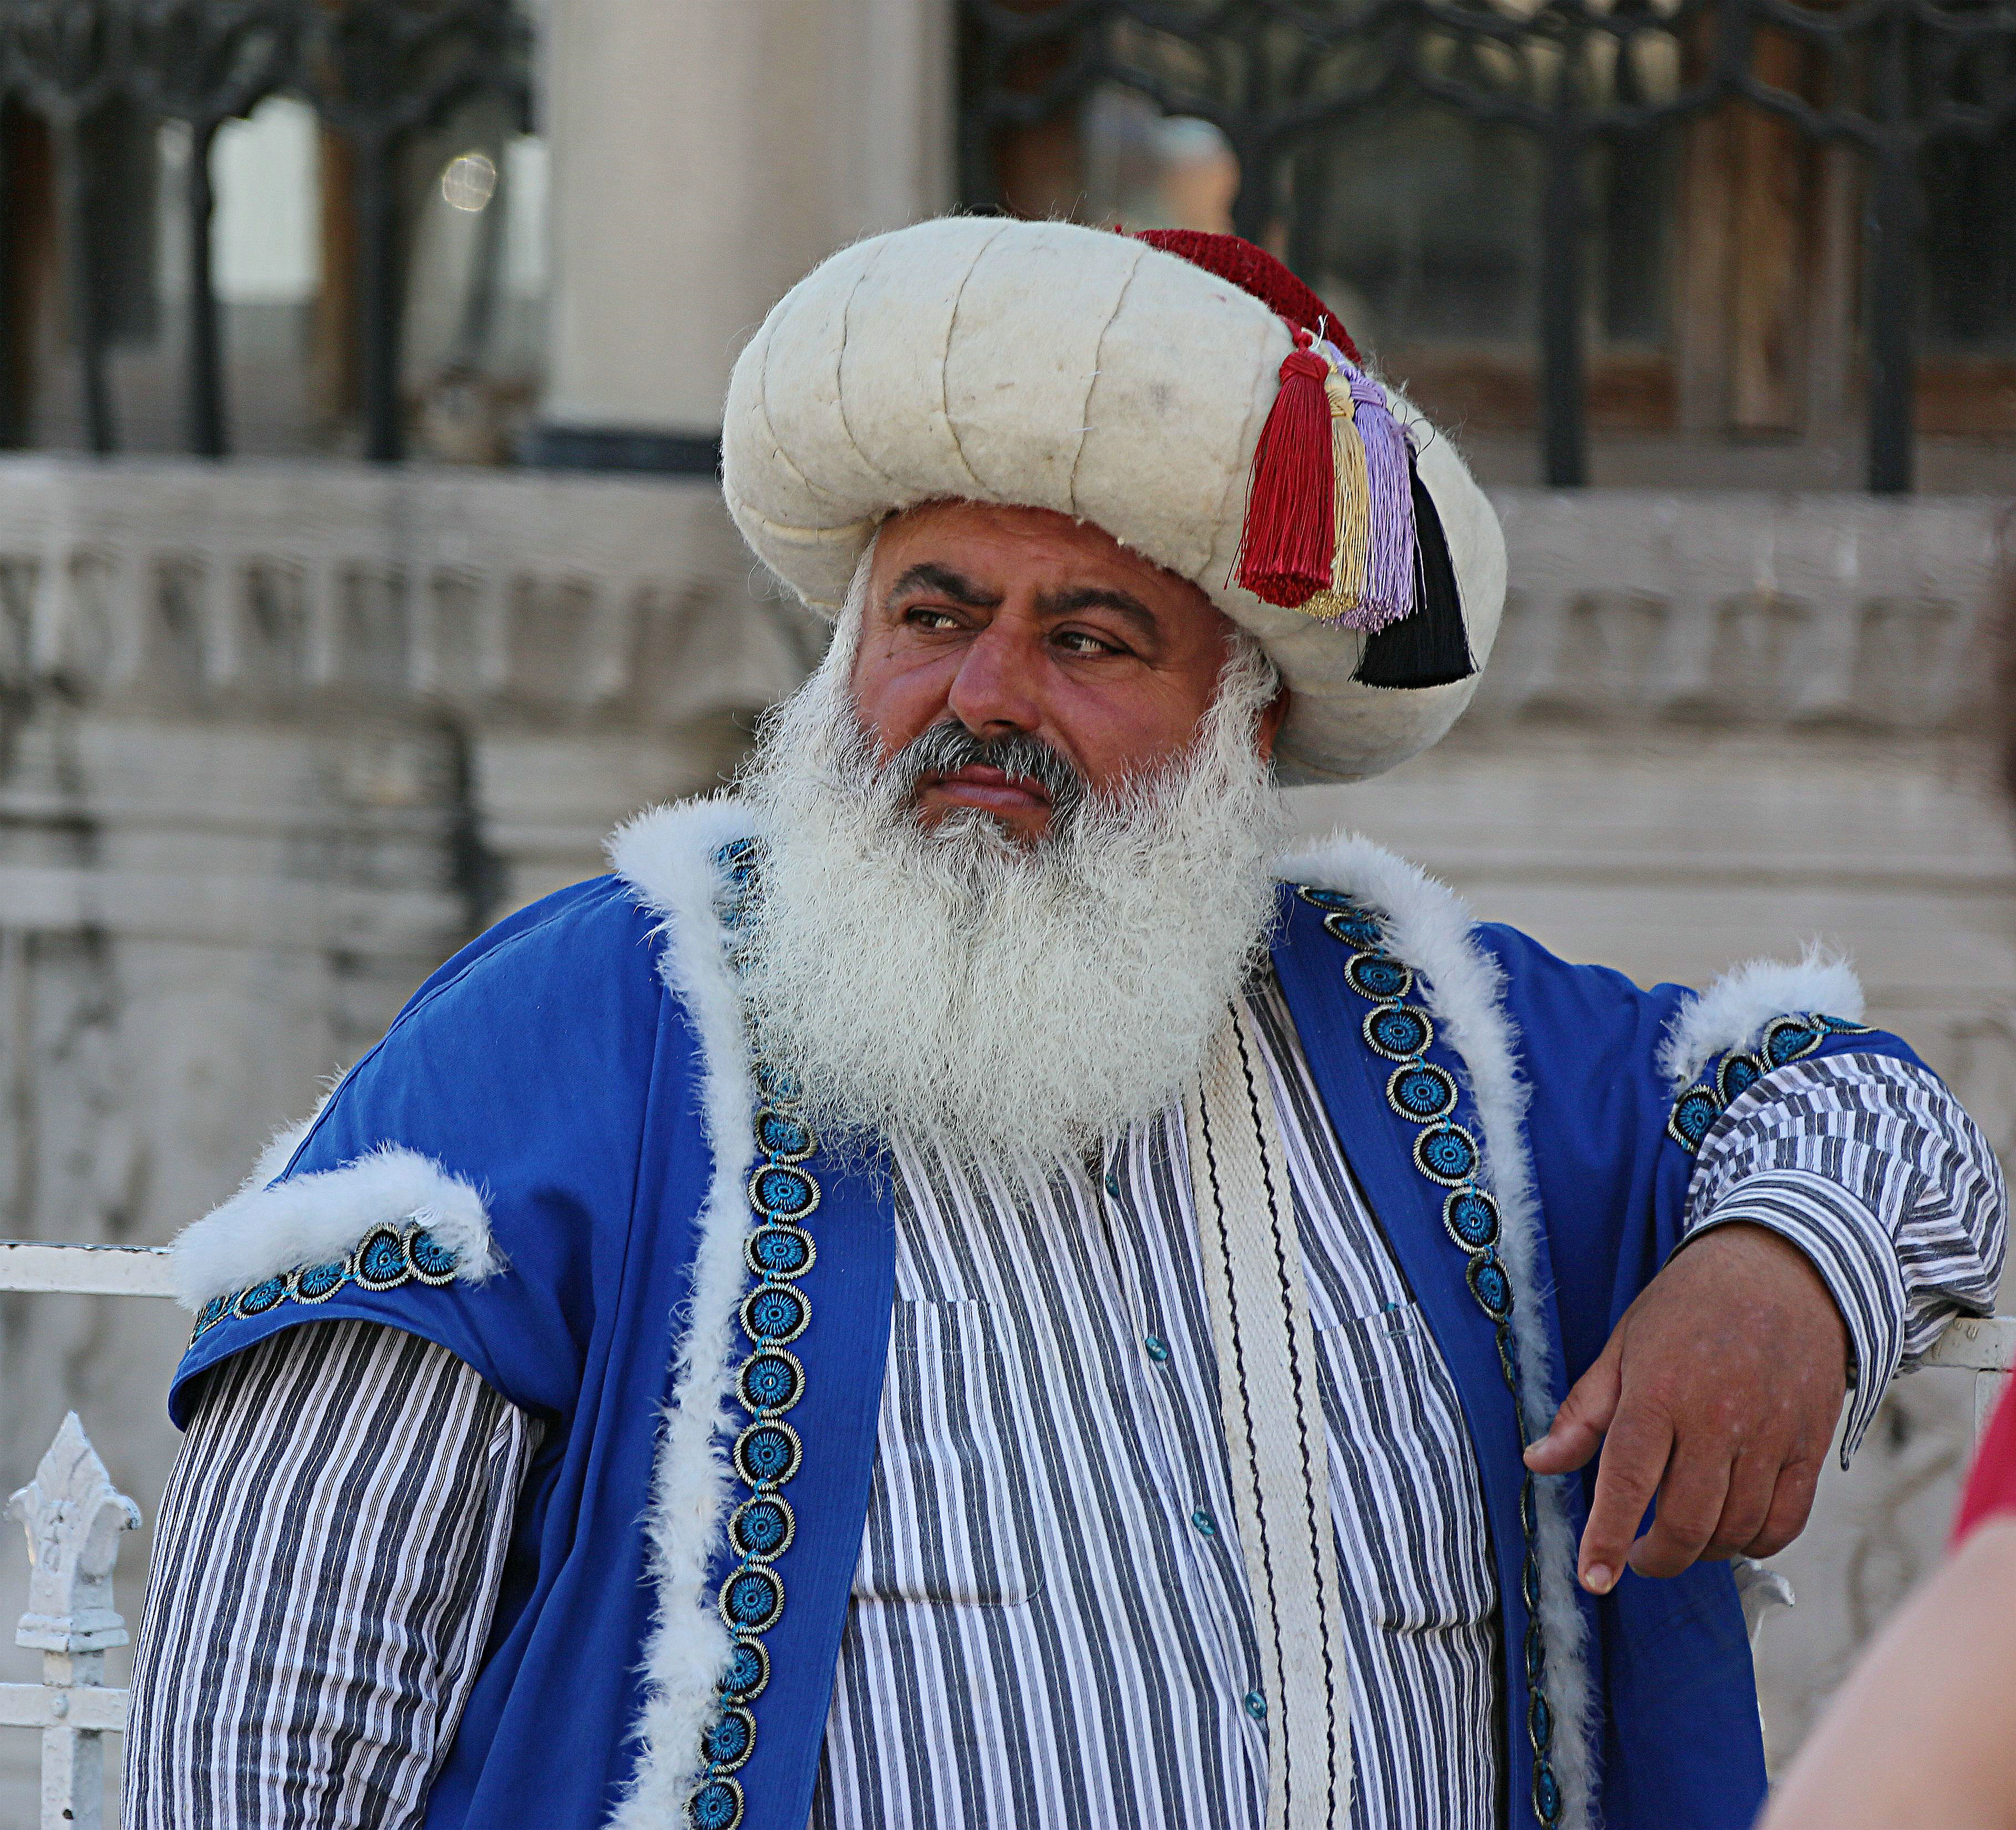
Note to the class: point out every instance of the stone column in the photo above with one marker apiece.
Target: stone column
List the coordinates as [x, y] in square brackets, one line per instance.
[706, 152]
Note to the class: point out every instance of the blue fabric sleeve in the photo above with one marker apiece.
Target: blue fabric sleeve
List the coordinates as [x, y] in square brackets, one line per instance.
[522, 1066]
[1612, 1175]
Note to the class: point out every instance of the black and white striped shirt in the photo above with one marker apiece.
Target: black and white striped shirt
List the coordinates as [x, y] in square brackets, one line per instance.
[1050, 1623]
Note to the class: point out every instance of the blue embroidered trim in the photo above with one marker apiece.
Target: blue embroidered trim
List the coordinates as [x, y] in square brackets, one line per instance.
[1785, 1039]
[1447, 1154]
[778, 1251]
[387, 1256]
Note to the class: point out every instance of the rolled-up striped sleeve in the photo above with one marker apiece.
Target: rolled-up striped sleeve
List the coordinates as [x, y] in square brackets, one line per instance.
[1872, 1168]
[328, 1554]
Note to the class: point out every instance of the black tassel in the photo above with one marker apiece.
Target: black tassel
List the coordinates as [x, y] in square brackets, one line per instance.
[1429, 646]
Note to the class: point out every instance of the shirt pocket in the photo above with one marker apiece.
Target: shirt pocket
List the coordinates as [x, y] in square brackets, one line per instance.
[1410, 1516]
[946, 1524]
[1390, 1346]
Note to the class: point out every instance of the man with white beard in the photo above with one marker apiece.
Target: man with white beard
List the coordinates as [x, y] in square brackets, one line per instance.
[959, 1288]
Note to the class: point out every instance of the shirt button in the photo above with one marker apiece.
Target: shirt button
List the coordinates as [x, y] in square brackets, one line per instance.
[1205, 1523]
[1113, 1184]
[1158, 1349]
[1256, 1706]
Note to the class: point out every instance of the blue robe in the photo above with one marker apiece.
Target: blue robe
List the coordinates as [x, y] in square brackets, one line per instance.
[579, 1065]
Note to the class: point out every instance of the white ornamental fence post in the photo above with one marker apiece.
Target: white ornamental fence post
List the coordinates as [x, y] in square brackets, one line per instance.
[74, 1516]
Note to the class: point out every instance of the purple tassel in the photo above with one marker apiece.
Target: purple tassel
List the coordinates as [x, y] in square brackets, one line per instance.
[1389, 567]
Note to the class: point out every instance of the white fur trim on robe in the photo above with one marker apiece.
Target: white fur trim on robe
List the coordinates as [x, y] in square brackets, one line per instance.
[1428, 926]
[666, 856]
[1732, 1012]
[265, 1232]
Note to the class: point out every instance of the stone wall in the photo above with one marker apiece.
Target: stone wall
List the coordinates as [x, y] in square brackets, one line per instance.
[275, 739]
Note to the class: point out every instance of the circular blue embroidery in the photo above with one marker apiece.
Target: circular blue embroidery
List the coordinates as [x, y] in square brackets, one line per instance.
[772, 1380]
[1694, 1112]
[1398, 1031]
[432, 1263]
[210, 1315]
[716, 1806]
[1355, 927]
[1491, 1287]
[779, 1252]
[1529, 1507]
[779, 1191]
[1790, 1038]
[319, 1282]
[761, 1527]
[748, 1671]
[1536, 1652]
[262, 1296]
[752, 1599]
[775, 1314]
[1450, 1155]
[1422, 1092]
[767, 1454]
[739, 851]
[1471, 1217]
[1840, 1026]
[1374, 976]
[728, 1739]
[1546, 1795]
[781, 1135]
[381, 1261]
[1324, 899]
[1447, 1154]
[1529, 1583]
[1737, 1074]
[1540, 1720]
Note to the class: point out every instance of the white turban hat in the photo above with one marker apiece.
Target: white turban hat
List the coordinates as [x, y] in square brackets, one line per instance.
[1048, 365]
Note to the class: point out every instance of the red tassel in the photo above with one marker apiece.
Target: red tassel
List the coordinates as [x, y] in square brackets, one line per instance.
[1287, 548]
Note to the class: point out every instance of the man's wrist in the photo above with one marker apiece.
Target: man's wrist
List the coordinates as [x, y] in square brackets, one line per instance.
[1739, 1232]
[1853, 1255]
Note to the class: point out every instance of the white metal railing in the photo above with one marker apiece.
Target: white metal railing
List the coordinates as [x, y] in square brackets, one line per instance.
[74, 1517]
[1985, 1346]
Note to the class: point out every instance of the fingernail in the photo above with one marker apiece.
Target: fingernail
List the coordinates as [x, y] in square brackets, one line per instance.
[1597, 1579]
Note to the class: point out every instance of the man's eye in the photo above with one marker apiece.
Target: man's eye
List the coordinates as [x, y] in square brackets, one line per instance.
[1079, 642]
[922, 618]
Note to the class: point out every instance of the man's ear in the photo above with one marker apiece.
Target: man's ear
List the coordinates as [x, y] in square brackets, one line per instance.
[1270, 727]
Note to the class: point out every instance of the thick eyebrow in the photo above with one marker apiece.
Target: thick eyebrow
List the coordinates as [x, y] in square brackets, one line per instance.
[927, 575]
[1101, 597]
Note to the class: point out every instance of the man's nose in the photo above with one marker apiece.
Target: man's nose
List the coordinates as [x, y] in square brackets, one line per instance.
[994, 692]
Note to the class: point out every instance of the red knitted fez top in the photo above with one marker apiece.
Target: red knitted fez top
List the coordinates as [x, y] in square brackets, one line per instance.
[1254, 270]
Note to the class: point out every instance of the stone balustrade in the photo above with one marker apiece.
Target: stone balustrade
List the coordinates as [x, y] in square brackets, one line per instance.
[1781, 612]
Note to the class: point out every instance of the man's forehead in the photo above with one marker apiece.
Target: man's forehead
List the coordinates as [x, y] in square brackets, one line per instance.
[996, 549]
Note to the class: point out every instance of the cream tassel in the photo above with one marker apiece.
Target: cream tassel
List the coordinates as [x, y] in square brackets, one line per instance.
[1352, 544]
